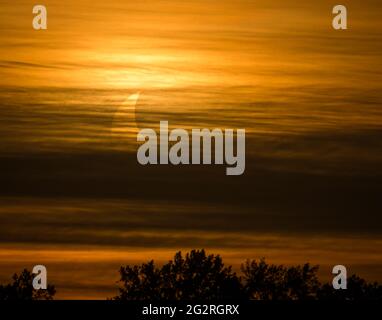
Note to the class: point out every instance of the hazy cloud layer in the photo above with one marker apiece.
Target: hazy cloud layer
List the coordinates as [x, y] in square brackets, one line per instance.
[309, 98]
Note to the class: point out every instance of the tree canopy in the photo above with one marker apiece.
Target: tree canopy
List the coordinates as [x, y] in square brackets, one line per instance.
[195, 276]
[22, 289]
[199, 276]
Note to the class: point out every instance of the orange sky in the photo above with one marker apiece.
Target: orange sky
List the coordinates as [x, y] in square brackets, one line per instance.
[308, 96]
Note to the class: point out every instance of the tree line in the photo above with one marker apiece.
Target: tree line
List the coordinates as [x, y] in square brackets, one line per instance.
[198, 276]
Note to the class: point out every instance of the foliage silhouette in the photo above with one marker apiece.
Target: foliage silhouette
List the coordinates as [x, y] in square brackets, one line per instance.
[22, 289]
[204, 277]
[357, 289]
[276, 282]
[196, 276]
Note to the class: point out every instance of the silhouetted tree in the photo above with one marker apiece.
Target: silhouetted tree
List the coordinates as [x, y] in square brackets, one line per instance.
[22, 289]
[357, 289]
[196, 276]
[277, 282]
[140, 282]
[204, 277]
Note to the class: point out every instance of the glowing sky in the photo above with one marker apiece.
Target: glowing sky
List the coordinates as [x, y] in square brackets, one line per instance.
[72, 195]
